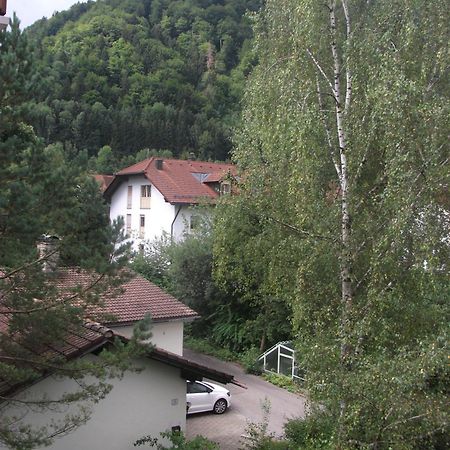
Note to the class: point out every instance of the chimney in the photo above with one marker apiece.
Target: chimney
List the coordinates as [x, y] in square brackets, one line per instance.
[48, 249]
[159, 164]
[4, 21]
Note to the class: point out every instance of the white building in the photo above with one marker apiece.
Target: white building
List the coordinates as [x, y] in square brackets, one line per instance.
[158, 196]
[137, 298]
[141, 403]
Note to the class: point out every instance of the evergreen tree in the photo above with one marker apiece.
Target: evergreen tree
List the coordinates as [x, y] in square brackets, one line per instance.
[43, 192]
[134, 75]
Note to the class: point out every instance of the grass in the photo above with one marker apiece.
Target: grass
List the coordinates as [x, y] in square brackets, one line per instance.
[284, 382]
[202, 346]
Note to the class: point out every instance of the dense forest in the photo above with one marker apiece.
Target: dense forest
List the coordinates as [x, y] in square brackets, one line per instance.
[142, 74]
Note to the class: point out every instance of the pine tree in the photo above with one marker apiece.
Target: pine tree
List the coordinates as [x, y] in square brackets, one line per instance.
[44, 192]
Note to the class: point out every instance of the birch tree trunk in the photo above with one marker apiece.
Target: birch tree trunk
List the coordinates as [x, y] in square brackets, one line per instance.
[355, 173]
[340, 92]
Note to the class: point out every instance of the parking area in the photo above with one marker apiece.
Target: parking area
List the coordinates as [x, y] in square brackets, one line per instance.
[227, 429]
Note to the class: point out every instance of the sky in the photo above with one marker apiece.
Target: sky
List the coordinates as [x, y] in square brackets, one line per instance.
[28, 11]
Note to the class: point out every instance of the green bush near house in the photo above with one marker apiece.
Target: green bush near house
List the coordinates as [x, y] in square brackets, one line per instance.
[312, 433]
[203, 346]
[249, 360]
[282, 381]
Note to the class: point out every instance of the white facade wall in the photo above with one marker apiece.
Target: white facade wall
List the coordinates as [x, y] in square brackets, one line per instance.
[158, 218]
[141, 404]
[181, 225]
[161, 218]
[165, 335]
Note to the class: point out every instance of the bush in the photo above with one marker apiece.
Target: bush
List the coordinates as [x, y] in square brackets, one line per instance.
[283, 381]
[314, 432]
[202, 346]
[177, 441]
[249, 360]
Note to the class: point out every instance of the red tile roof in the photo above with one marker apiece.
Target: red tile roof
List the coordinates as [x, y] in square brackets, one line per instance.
[104, 181]
[76, 343]
[138, 297]
[179, 181]
[92, 336]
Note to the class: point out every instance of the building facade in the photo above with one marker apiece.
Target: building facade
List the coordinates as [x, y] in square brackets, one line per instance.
[160, 197]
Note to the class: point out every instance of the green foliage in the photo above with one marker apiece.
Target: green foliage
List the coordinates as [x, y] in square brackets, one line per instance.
[185, 269]
[312, 433]
[153, 264]
[177, 441]
[44, 190]
[245, 256]
[257, 436]
[249, 360]
[282, 381]
[203, 346]
[367, 348]
[133, 75]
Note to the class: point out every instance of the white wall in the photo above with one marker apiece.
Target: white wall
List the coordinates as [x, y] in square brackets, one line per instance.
[183, 220]
[158, 218]
[165, 335]
[140, 404]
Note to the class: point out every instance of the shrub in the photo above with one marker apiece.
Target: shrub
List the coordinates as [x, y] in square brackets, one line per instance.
[282, 381]
[313, 432]
[177, 441]
[249, 360]
[202, 346]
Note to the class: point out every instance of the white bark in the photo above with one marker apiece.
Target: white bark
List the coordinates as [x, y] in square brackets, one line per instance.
[346, 281]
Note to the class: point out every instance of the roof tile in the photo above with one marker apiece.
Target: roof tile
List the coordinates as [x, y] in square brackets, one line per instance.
[180, 181]
[137, 298]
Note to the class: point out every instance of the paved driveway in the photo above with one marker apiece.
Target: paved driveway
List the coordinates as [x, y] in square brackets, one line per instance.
[228, 428]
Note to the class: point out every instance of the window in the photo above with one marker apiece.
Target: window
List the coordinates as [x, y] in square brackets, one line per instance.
[129, 196]
[128, 225]
[194, 222]
[196, 388]
[146, 194]
[142, 227]
[225, 187]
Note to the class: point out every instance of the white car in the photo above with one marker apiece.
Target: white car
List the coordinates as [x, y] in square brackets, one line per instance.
[205, 396]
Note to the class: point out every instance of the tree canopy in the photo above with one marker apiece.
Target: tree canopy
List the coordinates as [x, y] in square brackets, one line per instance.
[45, 191]
[142, 74]
[344, 157]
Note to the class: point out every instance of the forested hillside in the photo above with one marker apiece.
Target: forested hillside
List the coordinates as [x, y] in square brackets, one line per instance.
[137, 74]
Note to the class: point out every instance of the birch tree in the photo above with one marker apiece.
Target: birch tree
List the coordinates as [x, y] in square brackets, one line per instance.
[344, 153]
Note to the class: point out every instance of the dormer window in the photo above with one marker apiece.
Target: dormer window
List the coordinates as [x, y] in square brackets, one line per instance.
[146, 194]
[225, 187]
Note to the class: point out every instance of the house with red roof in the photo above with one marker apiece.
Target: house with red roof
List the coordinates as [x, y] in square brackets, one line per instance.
[137, 298]
[145, 402]
[142, 402]
[158, 196]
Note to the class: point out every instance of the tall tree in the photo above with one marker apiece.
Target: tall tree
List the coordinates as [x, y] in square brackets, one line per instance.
[42, 192]
[344, 156]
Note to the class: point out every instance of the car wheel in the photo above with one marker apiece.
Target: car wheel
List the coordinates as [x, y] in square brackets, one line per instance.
[220, 406]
